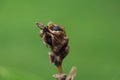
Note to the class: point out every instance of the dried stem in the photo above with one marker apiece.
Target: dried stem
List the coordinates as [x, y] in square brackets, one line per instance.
[70, 76]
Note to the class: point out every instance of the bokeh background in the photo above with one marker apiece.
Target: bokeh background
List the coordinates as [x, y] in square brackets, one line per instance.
[93, 27]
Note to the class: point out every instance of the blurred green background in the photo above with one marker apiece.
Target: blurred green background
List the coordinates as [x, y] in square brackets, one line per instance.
[93, 27]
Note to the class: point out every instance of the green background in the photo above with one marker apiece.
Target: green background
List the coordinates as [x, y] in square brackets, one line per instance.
[92, 26]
